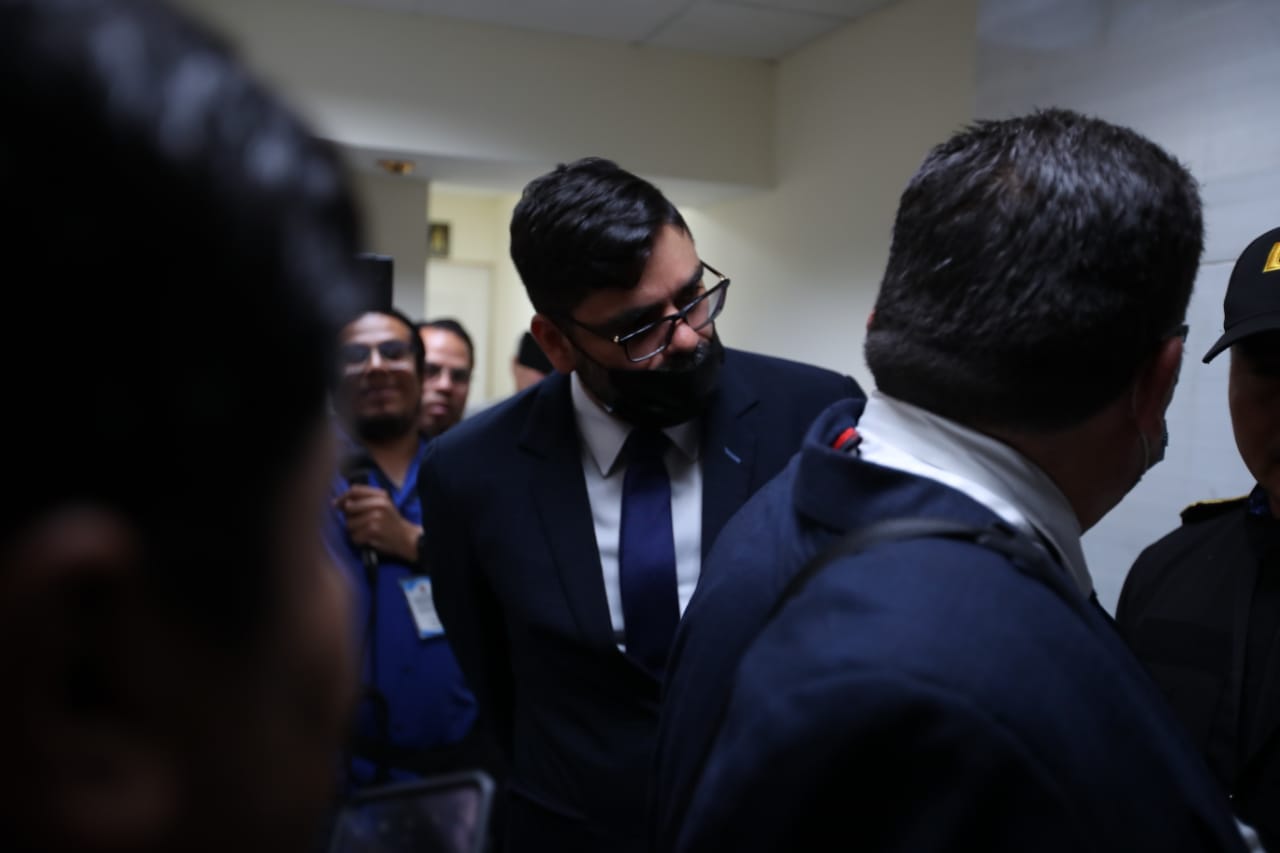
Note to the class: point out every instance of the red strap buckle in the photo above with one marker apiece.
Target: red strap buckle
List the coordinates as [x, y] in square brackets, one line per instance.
[847, 439]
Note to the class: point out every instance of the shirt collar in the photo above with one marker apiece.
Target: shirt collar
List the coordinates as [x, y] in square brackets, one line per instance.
[605, 434]
[1259, 503]
[908, 438]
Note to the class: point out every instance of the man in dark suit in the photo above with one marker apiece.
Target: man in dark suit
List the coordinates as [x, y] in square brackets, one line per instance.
[948, 682]
[1201, 607]
[565, 527]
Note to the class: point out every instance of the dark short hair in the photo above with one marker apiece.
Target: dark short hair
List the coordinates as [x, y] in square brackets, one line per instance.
[585, 226]
[448, 324]
[198, 265]
[1036, 263]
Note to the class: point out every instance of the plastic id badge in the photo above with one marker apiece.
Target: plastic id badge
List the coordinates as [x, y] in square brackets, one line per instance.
[417, 592]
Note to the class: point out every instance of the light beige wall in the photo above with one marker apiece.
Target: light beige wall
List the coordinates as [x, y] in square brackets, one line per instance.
[387, 80]
[478, 232]
[470, 218]
[857, 111]
[512, 309]
[395, 224]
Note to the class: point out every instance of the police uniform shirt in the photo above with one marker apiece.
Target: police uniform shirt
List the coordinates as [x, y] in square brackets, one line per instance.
[1264, 620]
[1201, 610]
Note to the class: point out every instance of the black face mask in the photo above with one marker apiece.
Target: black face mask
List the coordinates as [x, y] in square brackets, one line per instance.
[1150, 458]
[656, 399]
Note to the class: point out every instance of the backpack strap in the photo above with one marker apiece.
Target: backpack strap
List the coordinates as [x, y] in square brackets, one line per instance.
[1026, 555]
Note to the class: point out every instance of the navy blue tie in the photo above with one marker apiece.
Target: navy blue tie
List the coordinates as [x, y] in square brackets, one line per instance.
[647, 551]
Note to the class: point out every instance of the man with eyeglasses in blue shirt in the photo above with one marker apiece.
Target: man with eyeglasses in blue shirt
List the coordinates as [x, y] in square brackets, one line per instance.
[566, 526]
[416, 715]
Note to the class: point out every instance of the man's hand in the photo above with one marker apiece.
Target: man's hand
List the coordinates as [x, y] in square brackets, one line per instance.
[374, 522]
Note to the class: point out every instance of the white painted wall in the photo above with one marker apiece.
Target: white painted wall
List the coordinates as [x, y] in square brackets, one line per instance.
[395, 220]
[857, 112]
[827, 138]
[507, 98]
[1201, 79]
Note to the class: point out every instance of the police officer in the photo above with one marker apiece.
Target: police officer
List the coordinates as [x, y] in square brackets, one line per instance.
[1201, 607]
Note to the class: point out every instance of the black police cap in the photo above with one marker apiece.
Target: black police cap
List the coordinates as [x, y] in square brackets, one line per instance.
[1252, 304]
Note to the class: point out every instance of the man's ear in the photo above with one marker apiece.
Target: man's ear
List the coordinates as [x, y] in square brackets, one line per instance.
[559, 349]
[1153, 389]
[77, 635]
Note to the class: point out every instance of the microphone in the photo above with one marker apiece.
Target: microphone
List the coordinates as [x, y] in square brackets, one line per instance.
[358, 467]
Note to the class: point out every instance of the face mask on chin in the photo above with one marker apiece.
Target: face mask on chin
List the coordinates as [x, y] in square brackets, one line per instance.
[1152, 458]
[656, 399]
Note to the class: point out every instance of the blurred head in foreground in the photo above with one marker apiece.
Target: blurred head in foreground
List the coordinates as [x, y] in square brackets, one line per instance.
[178, 252]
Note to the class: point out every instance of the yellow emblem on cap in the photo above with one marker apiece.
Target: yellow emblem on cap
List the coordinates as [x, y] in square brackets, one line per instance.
[1273, 259]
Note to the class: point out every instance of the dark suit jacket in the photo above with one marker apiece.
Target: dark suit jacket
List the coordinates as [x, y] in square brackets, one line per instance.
[1185, 611]
[922, 695]
[517, 581]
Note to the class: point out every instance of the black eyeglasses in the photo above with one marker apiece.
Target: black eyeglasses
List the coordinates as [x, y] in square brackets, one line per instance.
[353, 355]
[457, 375]
[644, 343]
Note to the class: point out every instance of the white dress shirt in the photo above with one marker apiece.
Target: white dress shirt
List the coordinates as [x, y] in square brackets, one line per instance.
[905, 437]
[603, 437]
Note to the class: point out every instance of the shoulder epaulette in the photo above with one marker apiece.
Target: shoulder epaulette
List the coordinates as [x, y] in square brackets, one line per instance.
[1205, 510]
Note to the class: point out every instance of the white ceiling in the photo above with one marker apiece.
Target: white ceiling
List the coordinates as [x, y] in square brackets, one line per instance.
[760, 29]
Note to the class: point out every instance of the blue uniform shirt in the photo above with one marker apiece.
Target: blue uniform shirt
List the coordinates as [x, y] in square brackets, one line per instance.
[427, 702]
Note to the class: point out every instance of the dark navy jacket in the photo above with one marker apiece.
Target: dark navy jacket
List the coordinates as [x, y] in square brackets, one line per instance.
[920, 696]
[518, 583]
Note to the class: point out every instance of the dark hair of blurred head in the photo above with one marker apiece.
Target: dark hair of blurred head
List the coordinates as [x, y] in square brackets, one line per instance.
[178, 261]
[585, 226]
[530, 355]
[1036, 263]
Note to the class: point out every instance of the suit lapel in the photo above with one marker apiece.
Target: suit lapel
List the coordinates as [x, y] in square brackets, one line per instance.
[728, 452]
[559, 494]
